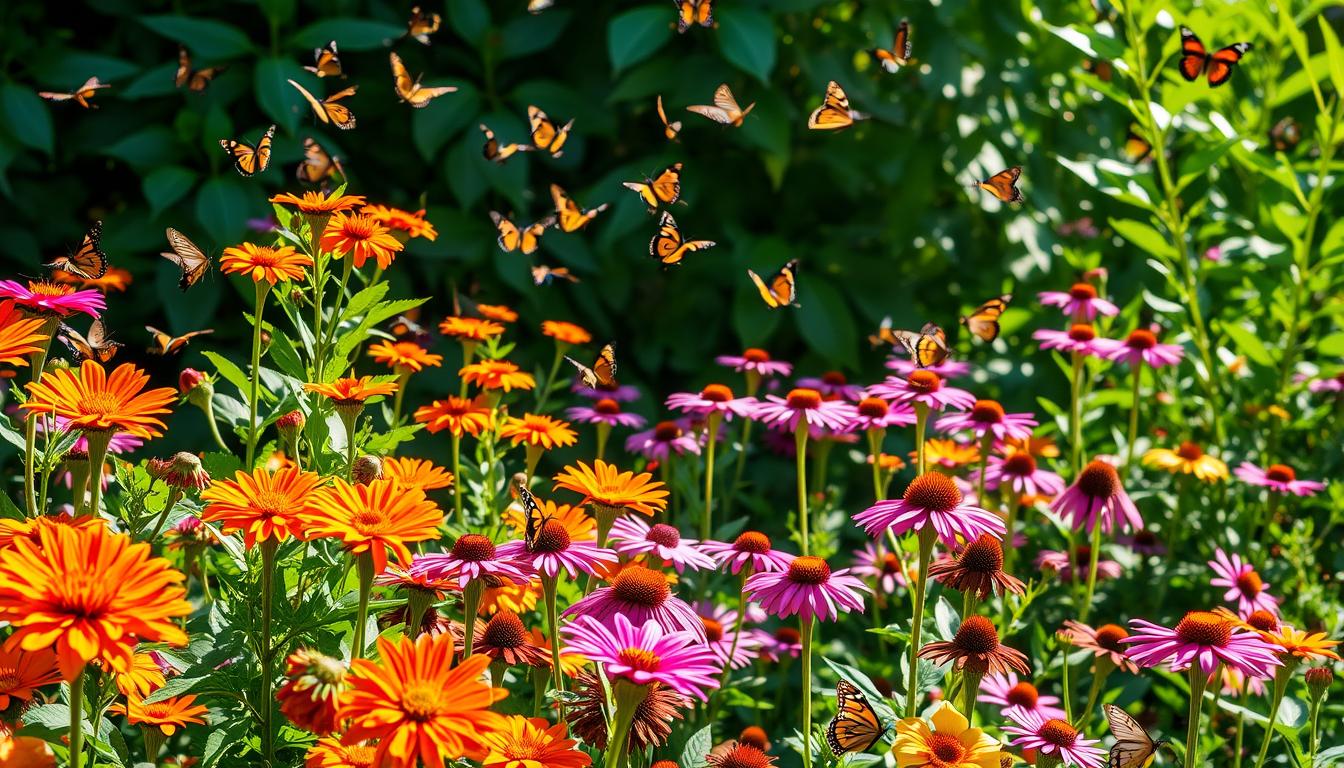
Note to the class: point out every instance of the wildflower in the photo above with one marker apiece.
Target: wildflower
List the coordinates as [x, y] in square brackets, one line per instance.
[875, 413]
[114, 279]
[497, 312]
[262, 504]
[31, 528]
[1079, 302]
[605, 411]
[532, 742]
[1021, 473]
[804, 406]
[319, 202]
[832, 385]
[497, 374]
[714, 398]
[263, 262]
[1279, 478]
[20, 335]
[1080, 339]
[665, 439]
[184, 471]
[1330, 384]
[312, 691]
[1202, 637]
[951, 743]
[923, 387]
[472, 558]
[1106, 643]
[352, 392]
[1319, 680]
[783, 642]
[1054, 738]
[469, 329]
[755, 361]
[809, 588]
[623, 393]
[1242, 582]
[505, 639]
[331, 753]
[143, 678]
[506, 595]
[361, 238]
[633, 537]
[652, 722]
[25, 751]
[1301, 646]
[931, 499]
[403, 225]
[1187, 459]
[23, 672]
[737, 755]
[48, 299]
[948, 369]
[949, 453]
[1007, 691]
[1141, 347]
[538, 430]
[565, 333]
[977, 569]
[577, 524]
[1144, 542]
[880, 565]
[645, 652]
[459, 415]
[732, 645]
[94, 401]
[751, 549]
[639, 594]
[976, 648]
[1096, 495]
[166, 715]
[755, 736]
[605, 485]
[1059, 563]
[988, 417]
[404, 357]
[374, 518]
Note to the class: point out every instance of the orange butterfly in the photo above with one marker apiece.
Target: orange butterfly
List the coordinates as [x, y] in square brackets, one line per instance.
[899, 55]
[197, 80]
[691, 12]
[665, 189]
[1219, 65]
[82, 94]
[834, 112]
[571, 217]
[545, 135]
[669, 247]
[327, 110]
[422, 25]
[1003, 185]
[984, 321]
[543, 275]
[317, 165]
[725, 109]
[410, 91]
[670, 130]
[167, 344]
[247, 159]
[500, 152]
[89, 261]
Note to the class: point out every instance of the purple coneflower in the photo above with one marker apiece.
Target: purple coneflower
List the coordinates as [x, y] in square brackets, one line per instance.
[731, 643]
[41, 297]
[1204, 638]
[808, 588]
[1079, 302]
[1054, 738]
[640, 594]
[832, 384]
[1144, 542]
[623, 393]
[554, 551]
[632, 537]
[751, 550]
[932, 499]
[1095, 496]
[948, 369]
[472, 558]
[755, 361]
[666, 438]
[1242, 582]
[604, 411]
[1019, 470]
[1009, 692]
[785, 642]
[876, 413]
[1060, 564]
[880, 565]
[1280, 478]
[714, 398]
[1141, 347]
[988, 417]
[804, 405]
[1080, 339]
[644, 653]
[923, 387]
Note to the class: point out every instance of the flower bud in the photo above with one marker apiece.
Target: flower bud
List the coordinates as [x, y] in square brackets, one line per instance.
[182, 471]
[367, 469]
[312, 690]
[290, 425]
[1319, 679]
[197, 389]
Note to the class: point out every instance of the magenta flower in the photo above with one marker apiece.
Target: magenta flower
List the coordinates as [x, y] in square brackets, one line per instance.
[1243, 584]
[931, 499]
[1009, 692]
[605, 411]
[1144, 542]
[621, 394]
[755, 361]
[1053, 737]
[1279, 478]
[121, 442]
[640, 594]
[808, 588]
[42, 297]
[554, 551]
[472, 557]
[645, 653]
[923, 386]
[751, 549]
[1096, 495]
[731, 643]
[876, 413]
[804, 405]
[665, 439]
[1141, 347]
[632, 537]
[948, 369]
[1020, 471]
[987, 416]
[832, 384]
[783, 642]
[1059, 563]
[1080, 339]
[1080, 302]
[883, 567]
[1333, 384]
[1204, 638]
[714, 398]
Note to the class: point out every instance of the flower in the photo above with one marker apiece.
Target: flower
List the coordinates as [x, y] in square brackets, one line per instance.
[459, 415]
[1141, 347]
[604, 484]
[49, 299]
[785, 641]
[262, 504]
[714, 398]
[931, 499]
[756, 737]
[312, 691]
[976, 648]
[497, 312]
[1106, 643]
[652, 723]
[751, 549]
[372, 518]
[89, 594]
[949, 453]
[875, 413]
[418, 705]
[632, 537]
[665, 439]
[30, 528]
[505, 639]
[93, 401]
[1007, 691]
[951, 743]
[880, 565]
[182, 471]
[404, 356]
[25, 751]
[977, 569]
[20, 335]
[397, 220]
[645, 652]
[731, 643]
[755, 361]
[577, 523]
[472, 558]
[1202, 637]
[565, 333]
[605, 411]
[640, 595]
[1080, 339]
[948, 369]
[1095, 495]
[532, 742]
[497, 374]
[1079, 302]
[507, 596]
[331, 753]
[987, 417]
[23, 672]
[538, 430]
[832, 385]
[166, 714]
[1279, 478]
[114, 279]
[319, 202]
[623, 393]
[416, 473]
[1053, 737]
[1296, 644]
[808, 588]
[143, 678]
[735, 754]
[804, 406]
[361, 238]
[1144, 542]
[1019, 470]
[1242, 582]
[263, 262]
[469, 329]
[352, 392]
[1187, 459]
[1068, 571]
[923, 387]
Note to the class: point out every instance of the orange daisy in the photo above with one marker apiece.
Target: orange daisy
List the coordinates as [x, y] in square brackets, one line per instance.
[89, 594]
[519, 598]
[417, 473]
[497, 312]
[418, 705]
[497, 374]
[264, 262]
[353, 391]
[331, 753]
[373, 518]
[604, 484]
[25, 751]
[23, 672]
[532, 742]
[1302, 645]
[401, 222]
[538, 430]
[404, 356]
[263, 505]
[565, 333]
[1041, 447]
[361, 238]
[20, 334]
[948, 453]
[469, 328]
[167, 715]
[319, 202]
[577, 523]
[93, 401]
[11, 529]
[889, 462]
[115, 279]
[143, 678]
[459, 415]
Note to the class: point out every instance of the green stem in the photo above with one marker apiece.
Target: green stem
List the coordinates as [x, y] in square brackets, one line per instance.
[364, 562]
[1281, 678]
[1076, 413]
[268, 550]
[458, 512]
[38, 361]
[1241, 723]
[402, 380]
[548, 587]
[77, 720]
[1133, 418]
[1197, 683]
[1101, 669]
[970, 683]
[98, 442]
[626, 698]
[712, 432]
[1094, 556]
[262, 288]
[921, 423]
[1313, 719]
[348, 419]
[807, 689]
[346, 268]
[800, 464]
[214, 430]
[174, 496]
[1066, 690]
[544, 392]
[927, 536]
[471, 602]
[875, 450]
[603, 433]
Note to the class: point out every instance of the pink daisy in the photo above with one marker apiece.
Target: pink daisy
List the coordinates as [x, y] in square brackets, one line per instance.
[1242, 582]
[931, 499]
[808, 588]
[751, 550]
[640, 594]
[948, 369]
[631, 536]
[1080, 339]
[1053, 737]
[832, 384]
[876, 413]
[1059, 563]
[666, 438]
[1020, 471]
[554, 551]
[755, 361]
[1203, 637]
[714, 398]
[883, 567]
[1280, 478]
[1007, 691]
[1096, 495]
[644, 653]
[1080, 302]
[42, 297]
[1233, 681]
[1141, 347]
[472, 557]
[785, 642]
[923, 387]
[1333, 384]
[804, 405]
[622, 393]
[731, 643]
[605, 411]
[987, 416]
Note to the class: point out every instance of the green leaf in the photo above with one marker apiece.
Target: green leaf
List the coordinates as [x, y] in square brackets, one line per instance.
[747, 40]
[825, 321]
[164, 186]
[26, 117]
[205, 38]
[1334, 55]
[945, 618]
[636, 35]
[434, 125]
[277, 98]
[470, 19]
[350, 34]
[229, 371]
[1332, 345]
[697, 748]
[1249, 344]
[531, 33]
[221, 207]
[144, 149]
[1145, 237]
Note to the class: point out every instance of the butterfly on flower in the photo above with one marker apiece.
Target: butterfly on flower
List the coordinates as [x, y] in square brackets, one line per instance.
[409, 90]
[725, 108]
[326, 61]
[421, 25]
[1217, 66]
[167, 344]
[544, 275]
[195, 80]
[249, 159]
[317, 164]
[781, 290]
[81, 95]
[188, 257]
[546, 136]
[602, 374]
[669, 247]
[88, 261]
[984, 321]
[927, 348]
[663, 189]
[670, 130]
[97, 345]
[834, 112]
[327, 110]
[533, 516]
[856, 726]
[899, 54]
[692, 12]
[500, 152]
[512, 237]
[1003, 185]
[1133, 747]
[572, 218]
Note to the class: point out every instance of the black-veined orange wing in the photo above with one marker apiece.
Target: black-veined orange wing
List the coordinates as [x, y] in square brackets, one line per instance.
[328, 110]
[421, 25]
[249, 160]
[326, 61]
[856, 726]
[984, 321]
[834, 112]
[531, 235]
[88, 261]
[668, 245]
[899, 55]
[1003, 185]
[497, 152]
[98, 345]
[317, 164]
[1137, 148]
[509, 234]
[409, 89]
[570, 216]
[782, 289]
[188, 257]
[545, 134]
[664, 189]
[533, 516]
[1193, 55]
[1224, 62]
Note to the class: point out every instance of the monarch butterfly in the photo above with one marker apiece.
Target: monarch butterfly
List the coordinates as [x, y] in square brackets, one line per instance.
[98, 345]
[88, 261]
[781, 290]
[537, 6]
[422, 25]
[669, 247]
[326, 62]
[545, 135]
[317, 165]
[899, 55]
[603, 373]
[984, 321]
[927, 348]
[856, 726]
[670, 130]
[410, 91]
[327, 110]
[1137, 148]
[533, 515]
[167, 344]
[543, 275]
[1286, 135]
[249, 160]
[725, 109]
[663, 189]
[1003, 185]
[884, 335]
[81, 95]
[1218, 66]
[190, 259]
[405, 328]
[572, 218]
[197, 80]
[1133, 747]
[834, 112]
[528, 239]
[691, 12]
[500, 152]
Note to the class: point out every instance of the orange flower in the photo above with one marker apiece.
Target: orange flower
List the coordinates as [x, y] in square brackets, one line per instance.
[397, 220]
[519, 598]
[497, 312]
[319, 202]
[538, 430]
[115, 279]
[889, 462]
[96, 402]
[1302, 645]
[143, 678]
[418, 705]
[264, 262]
[456, 414]
[1041, 447]
[570, 663]
[497, 374]
[606, 485]
[89, 594]
[25, 752]
[20, 334]
[565, 333]
[353, 391]
[167, 715]
[29, 528]
[263, 505]
[22, 672]
[361, 238]
[532, 742]
[312, 690]
[469, 328]
[948, 453]
[417, 473]
[577, 523]
[331, 753]
[373, 518]
[404, 356]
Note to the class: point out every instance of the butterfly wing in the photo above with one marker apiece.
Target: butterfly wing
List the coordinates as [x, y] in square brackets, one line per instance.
[338, 114]
[685, 14]
[568, 212]
[88, 261]
[1133, 746]
[670, 130]
[834, 112]
[931, 347]
[784, 286]
[326, 62]
[1193, 55]
[317, 164]
[883, 335]
[666, 244]
[767, 295]
[587, 374]
[666, 186]
[645, 192]
[202, 77]
[509, 236]
[183, 75]
[1003, 185]
[533, 515]
[543, 130]
[422, 25]
[856, 726]
[312, 102]
[531, 237]
[96, 346]
[1137, 148]
[984, 321]
[1224, 61]
[604, 370]
[901, 46]
[704, 13]
[189, 258]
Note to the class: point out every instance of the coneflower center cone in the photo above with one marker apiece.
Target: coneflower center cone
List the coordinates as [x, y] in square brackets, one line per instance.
[1019, 463]
[1058, 733]
[1082, 332]
[1204, 628]
[1098, 480]
[945, 749]
[933, 491]
[1141, 338]
[809, 570]
[873, 407]
[804, 399]
[984, 555]
[553, 537]
[666, 431]
[664, 535]
[753, 542]
[976, 635]
[1110, 635]
[987, 412]
[473, 548]
[1082, 291]
[607, 406]
[504, 630]
[924, 382]
[1189, 451]
[640, 586]
[1023, 694]
[742, 756]
[713, 629]
[716, 393]
[1263, 620]
[1281, 473]
[1250, 583]
[755, 355]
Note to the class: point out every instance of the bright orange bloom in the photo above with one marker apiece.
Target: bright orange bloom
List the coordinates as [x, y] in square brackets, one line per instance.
[469, 328]
[353, 391]
[115, 279]
[404, 356]
[263, 505]
[96, 402]
[565, 333]
[538, 430]
[89, 594]
[28, 529]
[418, 705]
[497, 312]
[312, 690]
[167, 715]
[417, 473]
[361, 238]
[25, 752]
[144, 677]
[532, 742]
[397, 220]
[577, 522]
[1302, 645]
[456, 414]
[519, 598]
[497, 374]
[604, 484]
[22, 672]
[20, 334]
[373, 518]
[889, 462]
[1040, 447]
[319, 202]
[263, 262]
[949, 453]
[570, 663]
[331, 753]
[278, 461]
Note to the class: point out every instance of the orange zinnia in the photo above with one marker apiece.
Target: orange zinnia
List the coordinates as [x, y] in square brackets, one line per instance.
[1302, 645]
[89, 594]
[469, 328]
[29, 528]
[418, 705]
[373, 518]
[143, 678]
[263, 505]
[22, 672]
[20, 334]
[96, 402]
[167, 715]
[353, 391]
[397, 220]
[948, 453]
[497, 374]
[404, 356]
[519, 598]
[538, 430]
[497, 312]
[459, 415]
[263, 262]
[532, 742]
[604, 484]
[331, 753]
[417, 473]
[565, 333]
[319, 202]
[361, 238]
[115, 279]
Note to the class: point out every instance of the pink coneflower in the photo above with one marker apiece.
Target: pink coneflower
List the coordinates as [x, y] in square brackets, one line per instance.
[876, 413]
[1144, 542]
[1080, 302]
[1019, 470]
[731, 643]
[645, 652]
[1332, 384]
[977, 569]
[633, 537]
[1084, 228]
[808, 588]
[1095, 496]
[1242, 582]
[785, 413]
[472, 557]
[882, 566]
[641, 595]
[925, 387]
[1081, 339]
[605, 411]
[1053, 737]
[666, 438]
[41, 297]
[623, 393]
[1280, 478]
[751, 549]
[1009, 692]
[1141, 347]
[785, 642]
[987, 416]
[1106, 642]
[976, 649]
[1059, 563]
[831, 385]
[931, 499]
[554, 551]
[714, 398]
[1203, 637]
[1233, 682]
[755, 361]
[948, 369]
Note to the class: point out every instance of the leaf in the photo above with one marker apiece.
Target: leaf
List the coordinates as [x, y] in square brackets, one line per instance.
[205, 38]
[231, 373]
[1332, 345]
[945, 619]
[636, 35]
[164, 186]
[221, 207]
[434, 125]
[277, 98]
[470, 19]
[825, 320]
[1249, 343]
[1334, 55]
[697, 748]
[1145, 237]
[747, 40]
[350, 34]
[26, 117]
[531, 33]
[144, 149]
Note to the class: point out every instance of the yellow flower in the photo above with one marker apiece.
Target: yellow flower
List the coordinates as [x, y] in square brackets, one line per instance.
[951, 743]
[262, 262]
[1187, 459]
[604, 484]
[538, 430]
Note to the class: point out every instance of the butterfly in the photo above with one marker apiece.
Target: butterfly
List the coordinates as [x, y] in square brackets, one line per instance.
[670, 130]
[327, 110]
[543, 275]
[1103, 69]
[663, 189]
[669, 247]
[545, 135]
[189, 258]
[248, 159]
[834, 112]
[195, 80]
[167, 344]
[1133, 747]
[533, 515]
[422, 25]
[691, 12]
[407, 329]
[317, 165]
[527, 239]
[603, 373]
[572, 217]
[410, 91]
[537, 6]
[725, 109]
[497, 152]
[984, 321]
[1196, 59]
[1286, 135]
[1003, 185]
[81, 95]
[326, 62]
[781, 290]
[899, 54]
[88, 261]
[98, 345]
[927, 348]
[856, 726]
[884, 335]
[1137, 148]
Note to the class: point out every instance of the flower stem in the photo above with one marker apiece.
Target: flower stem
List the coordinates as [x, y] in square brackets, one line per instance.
[77, 720]
[712, 432]
[174, 496]
[471, 602]
[807, 690]
[1101, 669]
[800, 463]
[1241, 724]
[1197, 684]
[1094, 556]
[548, 586]
[1066, 691]
[214, 429]
[268, 550]
[1281, 677]
[402, 379]
[875, 450]
[458, 512]
[544, 392]
[348, 420]
[364, 561]
[603, 433]
[38, 361]
[98, 442]
[346, 269]
[1076, 414]
[921, 423]
[927, 535]
[626, 698]
[1133, 418]
[262, 288]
